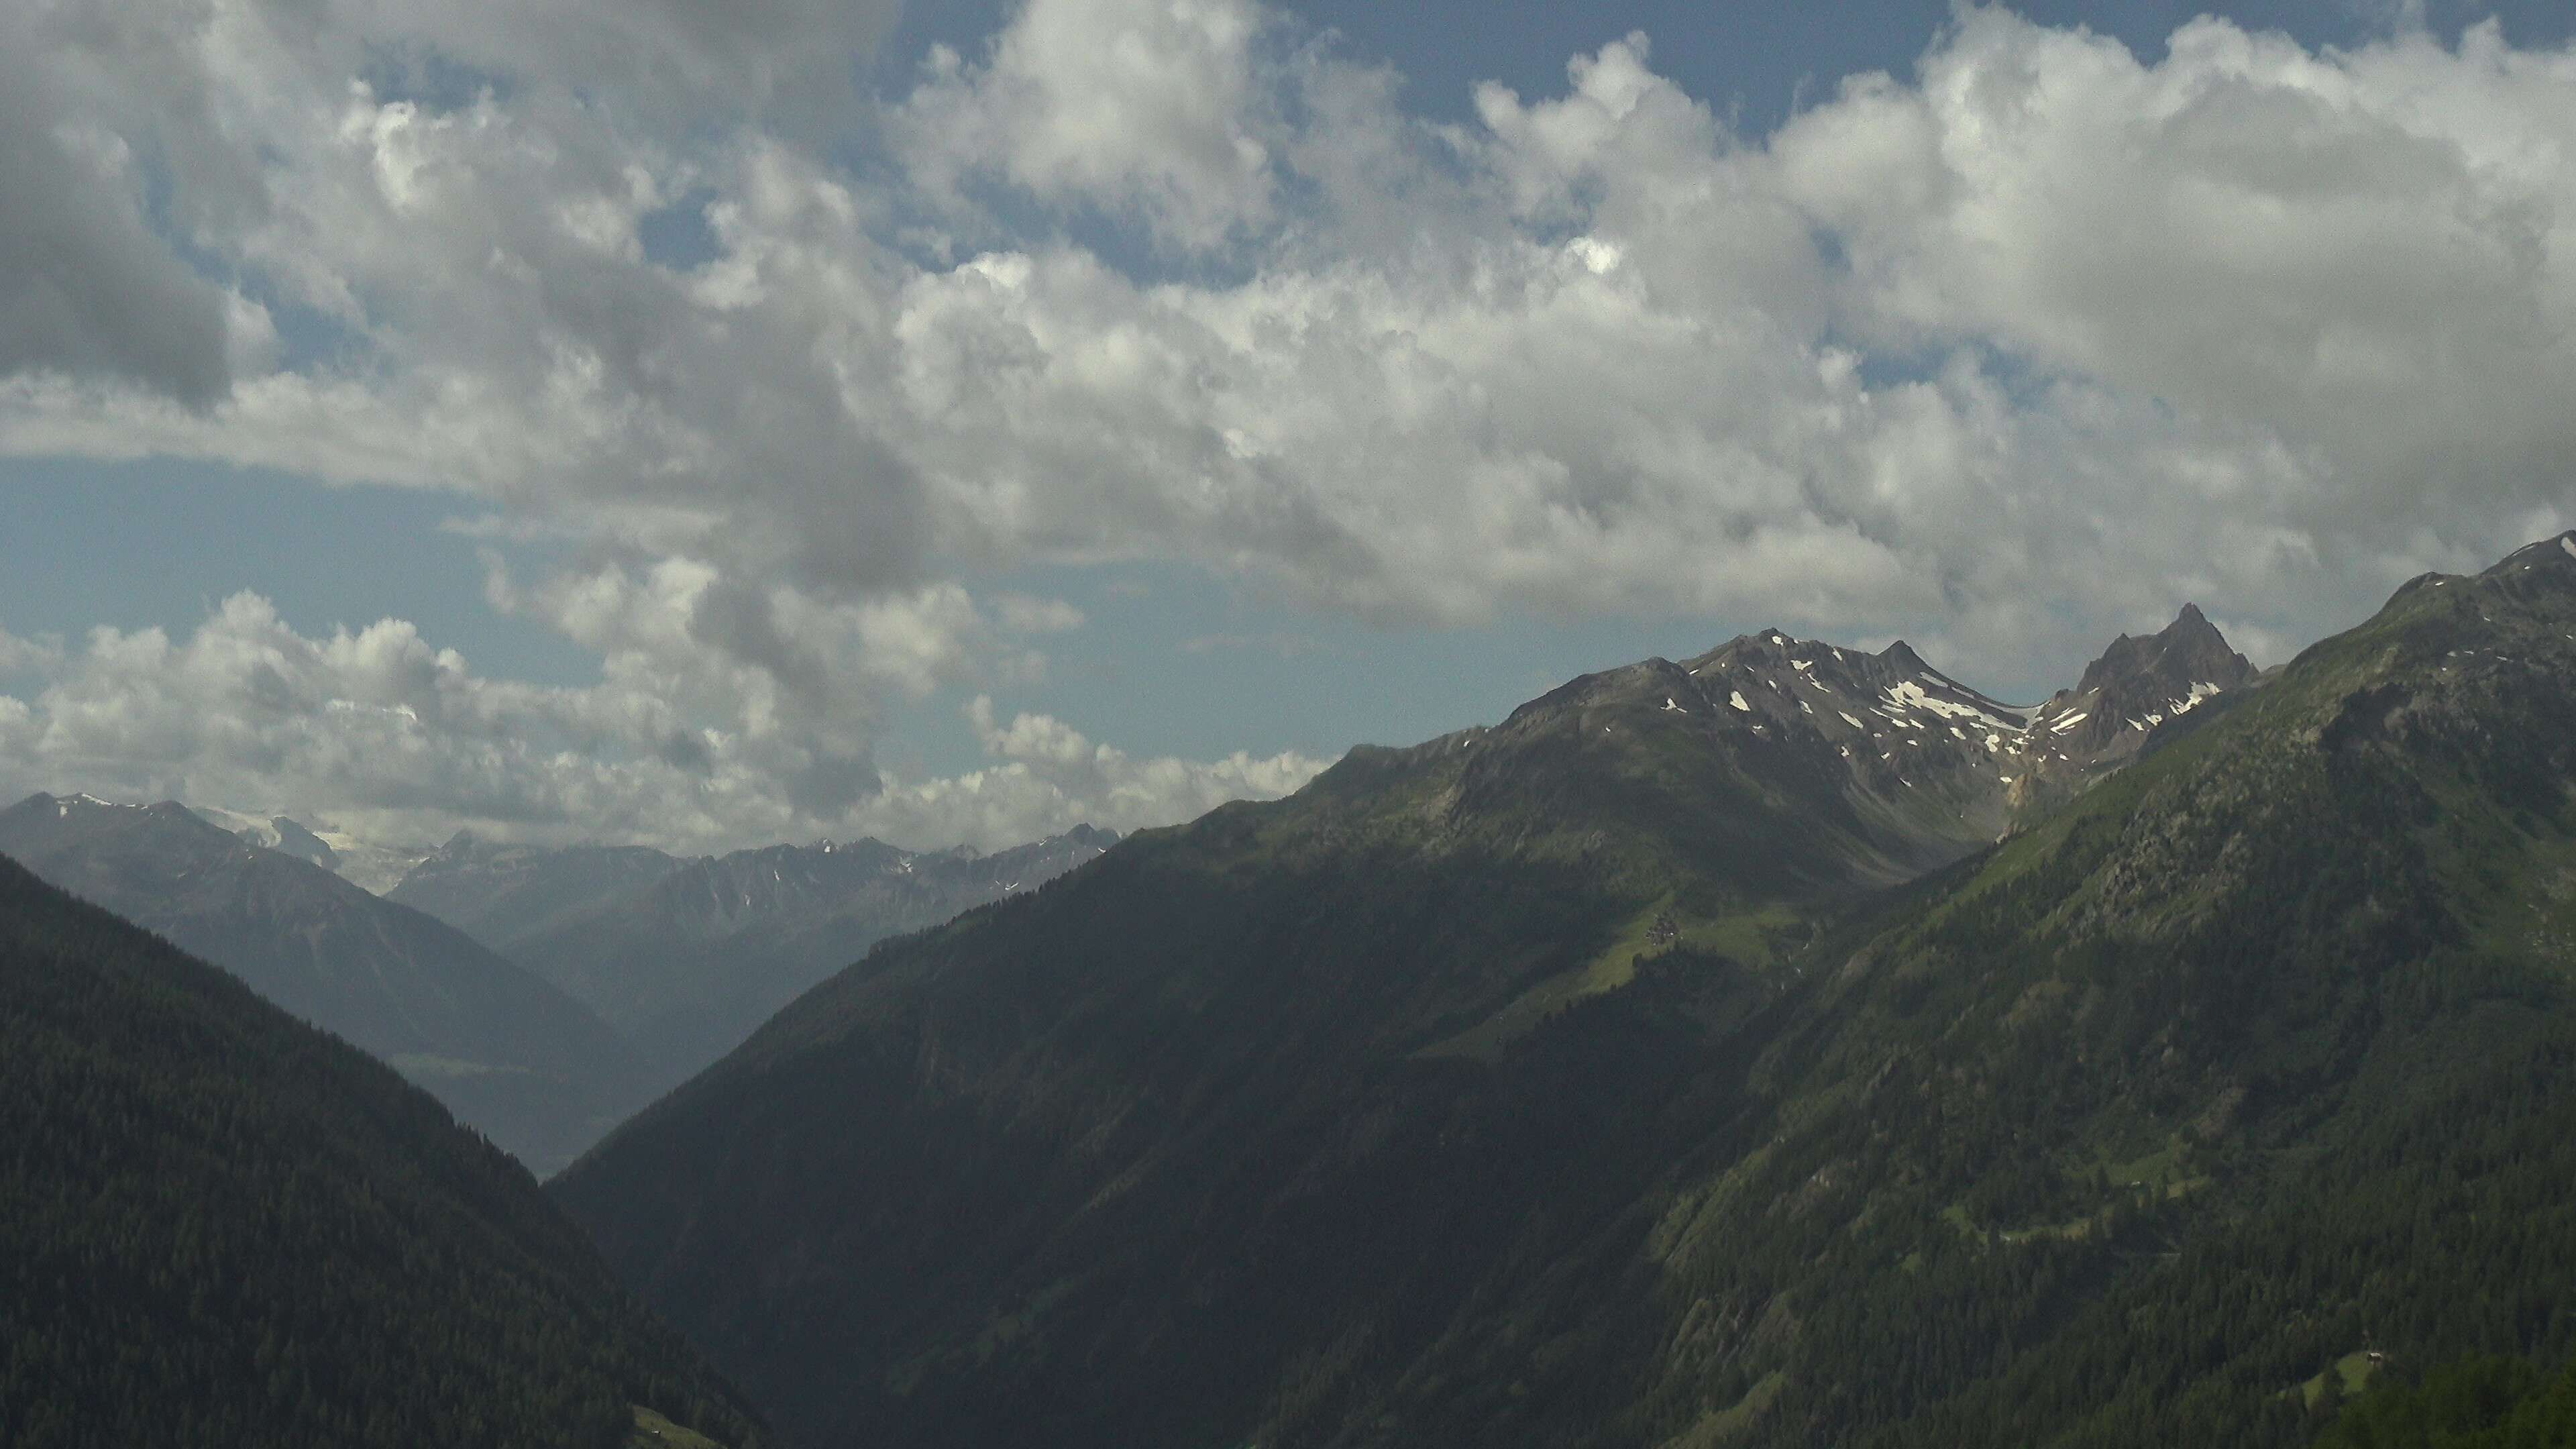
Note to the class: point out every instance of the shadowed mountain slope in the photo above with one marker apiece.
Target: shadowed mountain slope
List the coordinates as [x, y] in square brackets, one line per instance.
[1581, 1082]
[511, 1054]
[219, 1226]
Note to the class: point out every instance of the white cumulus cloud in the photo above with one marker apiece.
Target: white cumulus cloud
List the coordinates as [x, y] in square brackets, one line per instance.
[1047, 777]
[1164, 110]
[2005, 355]
[395, 739]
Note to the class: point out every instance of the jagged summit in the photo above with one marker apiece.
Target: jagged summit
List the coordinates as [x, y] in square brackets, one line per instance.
[84, 816]
[1884, 747]
[1902, 656]
[2558, 552]
[1858, 768]
[2549, 562]
[371, 865]
[2138, 684]
[276, 832]
[2189, 651]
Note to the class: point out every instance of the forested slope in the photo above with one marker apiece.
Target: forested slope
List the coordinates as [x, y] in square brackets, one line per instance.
[219, 1226]
[502, 1048]
[1536, 1086]
[2488, 1401]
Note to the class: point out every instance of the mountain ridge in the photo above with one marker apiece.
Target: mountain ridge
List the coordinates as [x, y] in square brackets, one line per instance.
[687, 956]
[503, 1048]
[1547, 1085]
[1304, 1070]
[370, 865]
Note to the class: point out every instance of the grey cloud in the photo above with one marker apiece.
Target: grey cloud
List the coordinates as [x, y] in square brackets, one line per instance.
[1047, 777]
[2358, 257]
[739, 621]
[667, 63]
[687, 751]
[827, 787]
[85, 286]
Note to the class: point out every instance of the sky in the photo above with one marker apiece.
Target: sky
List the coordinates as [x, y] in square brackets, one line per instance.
[710, 426]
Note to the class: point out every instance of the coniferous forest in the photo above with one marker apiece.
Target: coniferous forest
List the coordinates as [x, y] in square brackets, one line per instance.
[219, 1226]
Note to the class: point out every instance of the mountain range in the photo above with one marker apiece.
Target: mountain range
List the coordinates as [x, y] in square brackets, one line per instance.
[541, 992]
[370, 865]
[1783, 1046]
[686, 957]
[1786, 1045]
[505, 1050]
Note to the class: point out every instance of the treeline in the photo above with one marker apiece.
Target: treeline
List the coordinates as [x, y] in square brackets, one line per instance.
[219, 1226]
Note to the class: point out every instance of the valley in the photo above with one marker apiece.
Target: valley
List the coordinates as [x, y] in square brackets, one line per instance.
[1287, 724]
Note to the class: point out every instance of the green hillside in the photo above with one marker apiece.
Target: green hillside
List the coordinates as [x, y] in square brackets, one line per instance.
[219, 1226]
[1571, 1083]
[2259, 1054]
[2491, 1401]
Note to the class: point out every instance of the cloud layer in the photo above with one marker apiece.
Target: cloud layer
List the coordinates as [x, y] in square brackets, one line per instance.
[381, 733]
[2005, 356]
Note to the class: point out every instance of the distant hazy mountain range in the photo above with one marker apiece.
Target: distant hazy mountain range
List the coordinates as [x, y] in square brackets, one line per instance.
[507, 1051]
[542, 993]
[1685, 1062]
[370, 865]
[686, 957]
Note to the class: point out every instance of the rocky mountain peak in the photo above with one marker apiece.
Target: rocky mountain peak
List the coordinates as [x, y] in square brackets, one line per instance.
[1881, 743]
[2139, 683]
[1901, 655]
[1282, 999]
[2187, 652]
